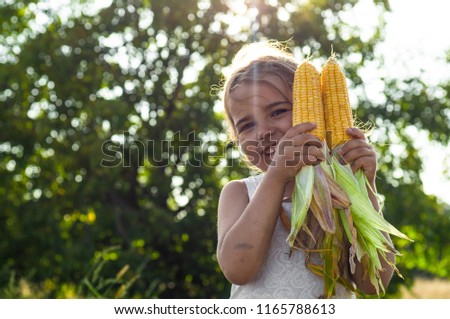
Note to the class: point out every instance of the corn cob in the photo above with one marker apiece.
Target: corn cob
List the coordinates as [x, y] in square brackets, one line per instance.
[307, 99]
[338, 114]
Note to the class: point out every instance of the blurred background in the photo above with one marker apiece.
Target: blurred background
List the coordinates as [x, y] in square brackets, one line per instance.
[113, 147]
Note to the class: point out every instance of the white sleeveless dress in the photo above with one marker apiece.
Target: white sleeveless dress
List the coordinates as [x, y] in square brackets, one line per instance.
[283, 277]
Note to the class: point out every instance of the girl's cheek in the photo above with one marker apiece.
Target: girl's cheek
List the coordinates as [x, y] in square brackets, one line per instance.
[249, 149]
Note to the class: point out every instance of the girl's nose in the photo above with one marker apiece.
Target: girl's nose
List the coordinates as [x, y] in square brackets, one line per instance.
[264, 133]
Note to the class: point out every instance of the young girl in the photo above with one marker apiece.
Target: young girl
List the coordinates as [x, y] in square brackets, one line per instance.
[252, 249]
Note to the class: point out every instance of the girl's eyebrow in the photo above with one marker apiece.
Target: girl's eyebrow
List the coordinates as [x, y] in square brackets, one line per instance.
[276, 103]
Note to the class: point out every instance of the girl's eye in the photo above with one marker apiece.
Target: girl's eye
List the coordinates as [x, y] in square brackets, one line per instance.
[245, 127]
[278, 112]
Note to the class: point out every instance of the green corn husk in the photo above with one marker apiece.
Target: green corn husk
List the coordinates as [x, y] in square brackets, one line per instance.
[332, 215]
[318, 229]
[301, 200]
[370, 243]
[362, 207]
[310, 191]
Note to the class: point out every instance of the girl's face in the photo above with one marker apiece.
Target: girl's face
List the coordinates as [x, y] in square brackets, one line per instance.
[261, 113]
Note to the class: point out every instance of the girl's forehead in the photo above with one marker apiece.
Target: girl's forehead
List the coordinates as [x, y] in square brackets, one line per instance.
[268, 87]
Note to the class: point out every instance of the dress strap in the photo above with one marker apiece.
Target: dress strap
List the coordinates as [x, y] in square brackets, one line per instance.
[252, 183]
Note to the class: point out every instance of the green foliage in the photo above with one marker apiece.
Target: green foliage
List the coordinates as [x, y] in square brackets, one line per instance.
[93, 204]
[94, 285]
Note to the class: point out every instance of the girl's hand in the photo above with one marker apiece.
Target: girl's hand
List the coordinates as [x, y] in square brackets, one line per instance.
[297, 148]
[359, 154]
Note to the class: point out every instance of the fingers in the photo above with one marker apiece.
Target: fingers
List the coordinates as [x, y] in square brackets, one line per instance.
[314, 156]
[293, 156]
[367, 163]
[353, 144]
[304, 139]
[350, 152]
[299, 135]
[355, 133]
[364, 158]
[297, 149]
[306, 147]
[300, 128]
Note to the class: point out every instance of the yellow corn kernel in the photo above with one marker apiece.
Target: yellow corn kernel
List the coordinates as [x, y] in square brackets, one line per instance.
[338, 114]
[307, 99]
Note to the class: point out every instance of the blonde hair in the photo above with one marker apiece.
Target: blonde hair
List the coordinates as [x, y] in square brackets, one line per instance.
[253, 62]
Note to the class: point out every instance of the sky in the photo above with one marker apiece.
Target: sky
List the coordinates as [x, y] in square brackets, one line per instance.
[416, 36]
[416, 40]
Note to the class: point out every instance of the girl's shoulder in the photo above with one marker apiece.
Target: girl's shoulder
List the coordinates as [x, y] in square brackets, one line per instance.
[244, 186]
[234, 192]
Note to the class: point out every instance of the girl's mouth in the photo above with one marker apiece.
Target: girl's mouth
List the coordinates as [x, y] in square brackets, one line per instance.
[270, 151]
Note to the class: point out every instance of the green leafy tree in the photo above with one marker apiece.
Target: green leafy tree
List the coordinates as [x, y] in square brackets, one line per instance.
[113, 153]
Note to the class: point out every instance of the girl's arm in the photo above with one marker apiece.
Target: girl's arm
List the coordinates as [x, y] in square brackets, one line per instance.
[361, 155]
[245, 227]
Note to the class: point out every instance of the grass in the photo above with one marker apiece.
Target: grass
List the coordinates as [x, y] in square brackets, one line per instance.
[428, 289]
